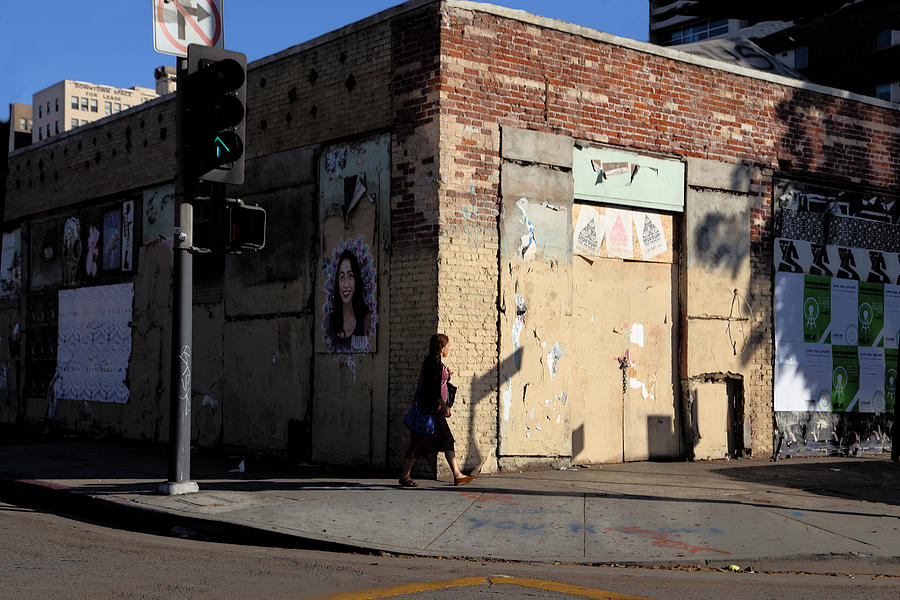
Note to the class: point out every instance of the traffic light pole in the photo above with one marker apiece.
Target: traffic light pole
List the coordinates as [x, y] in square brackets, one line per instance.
[182, 318]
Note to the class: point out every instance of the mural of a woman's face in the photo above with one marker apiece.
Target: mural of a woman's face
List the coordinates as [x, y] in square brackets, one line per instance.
[346, 282]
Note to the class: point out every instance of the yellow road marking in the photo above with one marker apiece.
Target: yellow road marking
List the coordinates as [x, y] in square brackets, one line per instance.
[552, 586]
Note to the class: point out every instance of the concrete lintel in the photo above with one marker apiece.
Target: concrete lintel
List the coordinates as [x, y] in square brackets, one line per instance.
[536, 147]
[706, 173]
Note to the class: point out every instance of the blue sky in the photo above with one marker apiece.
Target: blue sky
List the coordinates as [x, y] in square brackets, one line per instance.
[111, 42]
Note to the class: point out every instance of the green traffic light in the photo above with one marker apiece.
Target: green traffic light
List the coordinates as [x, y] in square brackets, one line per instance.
[228, 147]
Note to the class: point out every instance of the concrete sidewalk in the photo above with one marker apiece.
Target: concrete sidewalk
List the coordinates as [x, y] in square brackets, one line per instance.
[744, 512]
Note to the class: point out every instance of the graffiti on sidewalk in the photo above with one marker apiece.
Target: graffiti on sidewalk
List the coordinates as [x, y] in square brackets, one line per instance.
[663, 540]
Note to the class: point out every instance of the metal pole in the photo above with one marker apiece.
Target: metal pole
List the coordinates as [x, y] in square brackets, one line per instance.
[182, 305]
[895, 428]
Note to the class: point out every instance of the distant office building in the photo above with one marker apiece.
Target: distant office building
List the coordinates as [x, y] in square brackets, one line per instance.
[20, 122]
[70, 104]
[852, 45]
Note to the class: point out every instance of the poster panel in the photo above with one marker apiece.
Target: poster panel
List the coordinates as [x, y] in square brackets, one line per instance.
[871, 314]
[844, 377]
[803, 377]
[844, 322]
[619, 234]
[94, 343]
[871, 380]
[816, 309]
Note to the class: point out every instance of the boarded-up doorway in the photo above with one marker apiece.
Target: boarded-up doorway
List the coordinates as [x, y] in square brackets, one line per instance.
[624, 335]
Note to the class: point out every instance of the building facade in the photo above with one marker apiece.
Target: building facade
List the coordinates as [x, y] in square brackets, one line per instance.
[20, 125]
[846, 44]
[605, 229]
[70, 104]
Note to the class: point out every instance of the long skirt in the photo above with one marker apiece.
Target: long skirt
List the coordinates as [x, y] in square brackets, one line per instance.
[425, 444]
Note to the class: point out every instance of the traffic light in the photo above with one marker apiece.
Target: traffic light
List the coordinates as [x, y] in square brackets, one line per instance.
[246, 226]
[214, 110]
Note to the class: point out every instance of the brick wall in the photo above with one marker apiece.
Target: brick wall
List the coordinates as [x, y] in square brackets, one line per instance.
[501, 71]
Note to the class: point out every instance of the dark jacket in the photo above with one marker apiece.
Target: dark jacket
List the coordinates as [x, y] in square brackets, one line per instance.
[429, 392]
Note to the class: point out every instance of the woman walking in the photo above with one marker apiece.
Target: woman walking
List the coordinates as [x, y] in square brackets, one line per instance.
[431, 396]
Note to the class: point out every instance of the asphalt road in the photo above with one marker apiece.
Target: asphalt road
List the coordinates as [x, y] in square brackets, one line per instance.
[48, 555]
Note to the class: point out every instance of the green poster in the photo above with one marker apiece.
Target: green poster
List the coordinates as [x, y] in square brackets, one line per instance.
[844, 377]
[871, 313]
[890, 378]
[816, 308]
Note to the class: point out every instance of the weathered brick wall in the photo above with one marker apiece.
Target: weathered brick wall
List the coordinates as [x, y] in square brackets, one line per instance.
[414, 211]
[127, 151]
[553, 77]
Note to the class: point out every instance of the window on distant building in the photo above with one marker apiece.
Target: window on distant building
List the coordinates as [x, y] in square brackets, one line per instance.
[93, 105]
[84, 104]
[56, 127]
[23, 124]
[126, 106]
[56, 104]
[83, 122]
[48, 107]
[74, 102]
[40, 111]
[801, 57]
[883, 91]
[30, 124]
[107, 108]
[884, 39]
[697, 31]
[117, 107]
[40, 133]
[74, 123]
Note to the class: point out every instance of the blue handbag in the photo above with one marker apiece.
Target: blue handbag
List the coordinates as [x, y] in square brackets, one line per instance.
[417, 420]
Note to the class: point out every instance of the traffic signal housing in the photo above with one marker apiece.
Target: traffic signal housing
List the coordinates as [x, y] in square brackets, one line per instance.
[246, 226]
[214, 115]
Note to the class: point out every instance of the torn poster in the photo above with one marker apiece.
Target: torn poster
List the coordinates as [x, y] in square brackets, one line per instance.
[651, 237]
[94, 343]
[553, 359]
[527, 246]
[589, 231]
[127, 234]
[619, 235]
[358, 192]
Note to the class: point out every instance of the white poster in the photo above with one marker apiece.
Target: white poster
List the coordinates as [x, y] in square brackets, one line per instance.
[94, 344]
[871, 380]
[803, 377]
[651, 237]
[619, 235]
[788, 306]
[844, 312]
[589, 231]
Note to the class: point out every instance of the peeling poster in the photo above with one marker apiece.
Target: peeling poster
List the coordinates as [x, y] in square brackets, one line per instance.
[619, 234]
[589, 231]
[651, 237]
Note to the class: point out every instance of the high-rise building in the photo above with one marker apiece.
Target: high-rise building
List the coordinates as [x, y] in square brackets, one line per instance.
[847, 44]
[70, 104]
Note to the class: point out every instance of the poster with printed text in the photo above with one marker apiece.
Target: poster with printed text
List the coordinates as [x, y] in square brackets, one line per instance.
[619, 233]
[650, 233]
[871, 314]
[589, 231]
